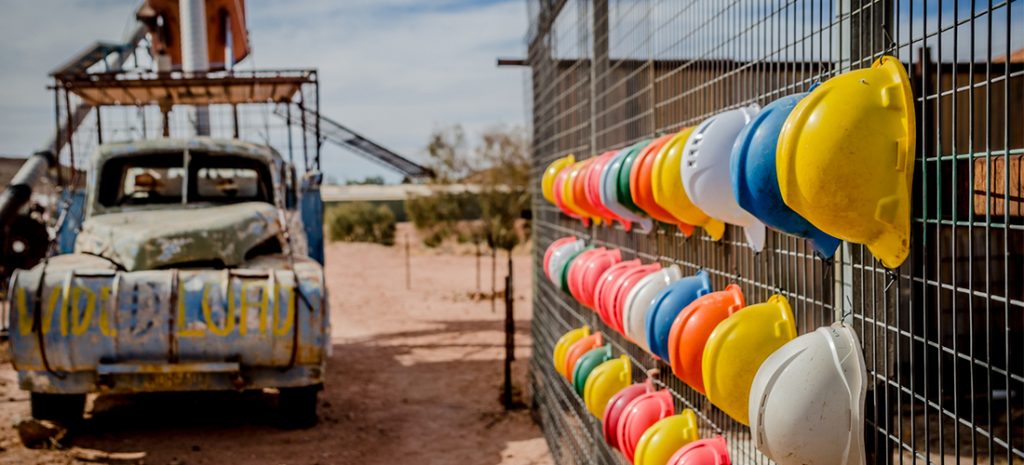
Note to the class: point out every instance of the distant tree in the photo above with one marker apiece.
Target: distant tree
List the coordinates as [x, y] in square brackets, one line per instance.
[367, 181]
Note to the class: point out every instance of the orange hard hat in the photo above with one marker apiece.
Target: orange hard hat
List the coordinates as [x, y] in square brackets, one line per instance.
[559, 193]
[693, 326]
[577, 350]
[640, 185]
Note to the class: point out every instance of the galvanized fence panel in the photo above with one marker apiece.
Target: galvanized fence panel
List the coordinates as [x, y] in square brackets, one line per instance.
[942, 335]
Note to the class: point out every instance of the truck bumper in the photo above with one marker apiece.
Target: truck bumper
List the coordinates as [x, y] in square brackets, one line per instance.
[164, 377]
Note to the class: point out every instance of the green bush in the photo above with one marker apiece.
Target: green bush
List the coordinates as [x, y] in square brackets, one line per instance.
[436, 216]
[361, 222]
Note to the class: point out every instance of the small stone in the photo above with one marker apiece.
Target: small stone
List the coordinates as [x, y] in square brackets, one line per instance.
[38, 434]
[196, 448]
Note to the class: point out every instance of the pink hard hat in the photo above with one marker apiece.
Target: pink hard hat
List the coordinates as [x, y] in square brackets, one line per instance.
[711, 451]
[616, 406]
[592, 186]
[639, 415]
[576, 267]
[591, 274]
[625, 284]
[604, 291]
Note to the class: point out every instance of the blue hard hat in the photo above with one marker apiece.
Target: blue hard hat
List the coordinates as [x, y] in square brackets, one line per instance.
[755, 181]
[667, 305]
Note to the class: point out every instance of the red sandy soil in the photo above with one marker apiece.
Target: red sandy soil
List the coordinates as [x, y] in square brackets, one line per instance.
[415, 377]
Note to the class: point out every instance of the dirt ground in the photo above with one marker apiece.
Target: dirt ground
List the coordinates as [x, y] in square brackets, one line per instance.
[415, 376]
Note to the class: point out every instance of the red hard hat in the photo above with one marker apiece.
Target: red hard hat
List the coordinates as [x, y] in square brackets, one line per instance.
[604, 290]
[639, 415]
[711, 451]
[616, 406]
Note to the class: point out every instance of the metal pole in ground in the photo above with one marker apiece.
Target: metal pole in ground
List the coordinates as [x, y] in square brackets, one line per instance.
[509, 344]
[510, 318]
[408, 268]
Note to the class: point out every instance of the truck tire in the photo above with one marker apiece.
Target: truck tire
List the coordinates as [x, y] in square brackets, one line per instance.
[60, 408]
[296, 406]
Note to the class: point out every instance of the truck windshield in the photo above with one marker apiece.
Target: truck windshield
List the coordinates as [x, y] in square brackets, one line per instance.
[161, 179]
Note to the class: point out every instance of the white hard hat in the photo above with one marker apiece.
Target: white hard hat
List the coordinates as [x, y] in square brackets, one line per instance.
[706, 176]
[559, 258]
[807, 401]
[638, 302]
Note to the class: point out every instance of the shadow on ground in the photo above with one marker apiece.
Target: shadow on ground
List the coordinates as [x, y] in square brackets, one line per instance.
[430, 396]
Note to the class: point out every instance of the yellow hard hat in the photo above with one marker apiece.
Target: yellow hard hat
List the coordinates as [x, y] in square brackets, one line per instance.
[665, 437]
[845, 158]
[562, 347]
[668, 187]
[604, 382]
[736, 349]
[547, 182]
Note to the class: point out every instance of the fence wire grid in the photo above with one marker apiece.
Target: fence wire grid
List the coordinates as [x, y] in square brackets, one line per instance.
[942, 335]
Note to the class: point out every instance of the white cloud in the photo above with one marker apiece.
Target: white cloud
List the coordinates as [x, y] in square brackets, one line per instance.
[391, 69]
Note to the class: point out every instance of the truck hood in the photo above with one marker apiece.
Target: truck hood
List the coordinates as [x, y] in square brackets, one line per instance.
[152, 239]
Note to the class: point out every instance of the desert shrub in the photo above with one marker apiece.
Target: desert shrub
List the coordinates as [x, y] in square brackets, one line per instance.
[437, 216]
[361, 222]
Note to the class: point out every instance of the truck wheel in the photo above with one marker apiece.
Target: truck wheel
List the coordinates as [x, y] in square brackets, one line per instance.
[296, 406]
[60, 408]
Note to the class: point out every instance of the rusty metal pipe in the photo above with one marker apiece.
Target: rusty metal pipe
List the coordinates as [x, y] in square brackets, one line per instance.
[19, 191]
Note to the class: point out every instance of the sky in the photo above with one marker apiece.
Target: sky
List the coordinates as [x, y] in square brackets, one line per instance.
[393, 70]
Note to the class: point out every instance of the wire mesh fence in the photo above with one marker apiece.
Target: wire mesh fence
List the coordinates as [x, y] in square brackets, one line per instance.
[942, 334]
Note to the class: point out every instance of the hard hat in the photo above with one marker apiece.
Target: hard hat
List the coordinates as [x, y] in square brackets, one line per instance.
[551, 251]
[640, 185]
[622, 290]
[615, 408]
[665, 437]
[736, 349]
[703, 452]
[604, 291]
[547, 182]
[578, 349]
[592, 272]
[667, 304]
[640, 414]
[610, 194]
[564, 282]
[667, 187]
[638, 303]
[578, 181]
[705, 171]
[846, 158]
[560, 194]
[559, 257]
[592, 180]
[693, 326]
[562, 347]
[604, 382]
[569, 198]
[754, 178]
[807, 401]
[625, 194]
[575, 270]
[586, 365]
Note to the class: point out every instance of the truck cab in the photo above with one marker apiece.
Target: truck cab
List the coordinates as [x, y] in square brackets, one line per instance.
[191, 271]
